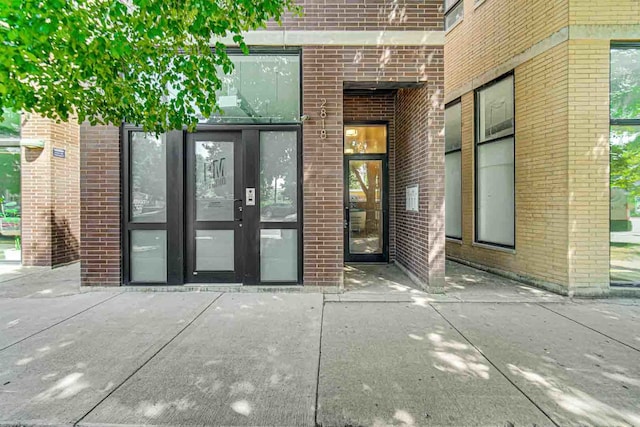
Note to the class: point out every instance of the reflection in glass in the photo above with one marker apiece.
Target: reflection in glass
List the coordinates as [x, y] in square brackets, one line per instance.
[495, 193]
[278, 255]
[371, 139]
[10, 222]
[453, 194]
[149, 256]
[261, 89]
[214, 250]
[625, 204]
[148, 178]
[365, 207]
[496, 110]
[625, 83]
[214, 180]
[278, 176]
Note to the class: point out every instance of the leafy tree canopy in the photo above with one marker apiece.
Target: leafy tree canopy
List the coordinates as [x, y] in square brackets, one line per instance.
[150, 62]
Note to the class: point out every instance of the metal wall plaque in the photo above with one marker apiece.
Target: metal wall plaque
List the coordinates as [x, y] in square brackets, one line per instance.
[59, 152]
[412, 198]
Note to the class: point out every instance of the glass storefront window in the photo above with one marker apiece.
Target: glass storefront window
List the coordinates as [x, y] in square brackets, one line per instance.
[624, 177]
[149, 256]
[261, 89]
[10, 206]
[148, 178]
[278, 176]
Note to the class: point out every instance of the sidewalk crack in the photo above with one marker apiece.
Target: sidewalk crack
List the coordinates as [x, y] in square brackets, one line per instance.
[496, 367]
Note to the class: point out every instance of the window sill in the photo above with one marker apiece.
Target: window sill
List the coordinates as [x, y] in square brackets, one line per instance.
[494, 248]
[478, 4]
[454, 240]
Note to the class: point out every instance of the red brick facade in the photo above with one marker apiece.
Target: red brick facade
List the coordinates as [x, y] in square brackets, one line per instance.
[325, 69]
[50, 193]
[100, 210]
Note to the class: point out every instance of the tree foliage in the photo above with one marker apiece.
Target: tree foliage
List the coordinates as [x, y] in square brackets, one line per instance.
[151, 62]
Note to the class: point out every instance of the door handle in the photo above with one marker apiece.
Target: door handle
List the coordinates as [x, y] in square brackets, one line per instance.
[347, 217]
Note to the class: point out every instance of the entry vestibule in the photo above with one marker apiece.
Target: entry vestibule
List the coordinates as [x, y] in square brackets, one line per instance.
[221, 205]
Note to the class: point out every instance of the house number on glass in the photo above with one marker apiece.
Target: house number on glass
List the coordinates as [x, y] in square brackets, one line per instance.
[323, 115]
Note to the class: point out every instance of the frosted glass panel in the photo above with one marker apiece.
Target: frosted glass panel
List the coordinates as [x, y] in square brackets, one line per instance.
[214, 180]
[495, 196]
[279, 255]
[148, 177]
[452, 192]
[278, 176]
[148, 256]
[214, 250]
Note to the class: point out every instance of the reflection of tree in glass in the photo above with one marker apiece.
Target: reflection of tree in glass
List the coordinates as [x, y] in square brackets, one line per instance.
[625, 159]
[625, 83]
[278, 166]
[9, 172]
[148, 154]
[366, 176]
[10, 124]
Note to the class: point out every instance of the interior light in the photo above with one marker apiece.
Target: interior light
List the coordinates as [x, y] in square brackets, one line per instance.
[352, 132]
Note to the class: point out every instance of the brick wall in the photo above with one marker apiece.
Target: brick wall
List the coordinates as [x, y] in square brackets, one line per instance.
[541, 174]
[100, 208]
[604, 12]
[420, 160]
[50, 194]
[382, 108]
[325, 68]
[365, 15]
[496, 31]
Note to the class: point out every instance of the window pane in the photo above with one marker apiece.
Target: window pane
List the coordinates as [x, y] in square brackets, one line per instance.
[278, 176]
[366, 215]
[365, 139]
[625, 83]
[496, 110]
[148, 178]
[279, 255]
[625, 204]
[454, 15]
[148, 255]
[453, 194]
[452, 127]
[261, 89]
[10, 126]
[215, 250]
[215, 173]
[10, 208]
[495, 198]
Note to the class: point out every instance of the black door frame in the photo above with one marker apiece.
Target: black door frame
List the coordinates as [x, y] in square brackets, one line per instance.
[176, 222]
[384, 256]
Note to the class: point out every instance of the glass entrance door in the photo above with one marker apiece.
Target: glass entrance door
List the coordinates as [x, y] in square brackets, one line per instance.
[214, 232]
[365, 167]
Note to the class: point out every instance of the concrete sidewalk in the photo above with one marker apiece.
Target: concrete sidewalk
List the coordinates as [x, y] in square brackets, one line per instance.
[489, 352]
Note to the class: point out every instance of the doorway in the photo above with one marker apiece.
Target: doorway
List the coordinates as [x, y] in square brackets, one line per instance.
[220, 205]
[366, 201]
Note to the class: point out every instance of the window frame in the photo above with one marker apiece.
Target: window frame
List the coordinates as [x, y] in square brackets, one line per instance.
[476, 144]
[455, 150]
[450, 9]
[615, 45]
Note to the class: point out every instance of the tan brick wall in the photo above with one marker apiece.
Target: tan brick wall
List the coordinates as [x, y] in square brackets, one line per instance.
[50, 194]
[365, 15]
[604, 12]
[588, 168]
[495, 32]
[379, 108]
[541, 173]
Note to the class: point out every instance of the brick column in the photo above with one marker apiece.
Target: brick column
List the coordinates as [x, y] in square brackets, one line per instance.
[50, 193]
[100, 208]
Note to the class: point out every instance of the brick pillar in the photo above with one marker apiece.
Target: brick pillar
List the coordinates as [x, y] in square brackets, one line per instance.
[100, 208]
[50, 193]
